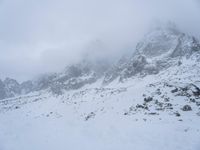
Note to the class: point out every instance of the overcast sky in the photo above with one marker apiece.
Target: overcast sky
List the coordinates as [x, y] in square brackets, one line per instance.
[38, 36]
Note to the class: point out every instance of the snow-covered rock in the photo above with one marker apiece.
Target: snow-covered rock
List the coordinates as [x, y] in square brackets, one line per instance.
[160, 49]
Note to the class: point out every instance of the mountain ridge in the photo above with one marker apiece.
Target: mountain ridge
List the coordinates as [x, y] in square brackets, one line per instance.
[160, 49]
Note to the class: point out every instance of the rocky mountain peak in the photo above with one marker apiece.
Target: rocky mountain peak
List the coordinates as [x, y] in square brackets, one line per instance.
[167, 42]
[159, 49]
[11, 84]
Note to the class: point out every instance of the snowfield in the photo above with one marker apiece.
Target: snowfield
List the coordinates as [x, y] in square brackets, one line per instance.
[141, 113]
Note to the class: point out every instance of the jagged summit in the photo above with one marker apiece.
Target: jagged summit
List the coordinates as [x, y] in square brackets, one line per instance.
[159, 49]
[167, 42]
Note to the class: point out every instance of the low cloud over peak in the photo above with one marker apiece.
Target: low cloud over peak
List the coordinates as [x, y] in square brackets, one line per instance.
[39, 36]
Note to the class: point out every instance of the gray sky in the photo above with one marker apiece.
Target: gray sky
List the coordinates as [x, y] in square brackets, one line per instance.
[38, 36]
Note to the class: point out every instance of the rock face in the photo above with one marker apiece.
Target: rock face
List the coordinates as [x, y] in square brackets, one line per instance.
[2, 90]
[12, 86]
[158, 50]
[73, 77]
[26, 87]
[9, 88]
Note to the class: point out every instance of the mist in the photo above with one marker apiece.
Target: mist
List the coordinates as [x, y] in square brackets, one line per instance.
[39, 36]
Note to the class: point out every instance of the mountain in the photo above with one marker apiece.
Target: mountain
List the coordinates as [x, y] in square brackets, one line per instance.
[147, 100]
[9, 88]
[160, 49]
[72, 77]
[163, 47]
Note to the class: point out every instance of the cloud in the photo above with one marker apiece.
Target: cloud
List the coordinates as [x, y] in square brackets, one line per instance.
[39, 36]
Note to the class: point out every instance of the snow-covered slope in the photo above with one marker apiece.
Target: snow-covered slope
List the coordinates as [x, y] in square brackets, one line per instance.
[139, 109]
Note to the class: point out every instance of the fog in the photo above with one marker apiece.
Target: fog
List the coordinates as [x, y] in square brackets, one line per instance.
[39, 36]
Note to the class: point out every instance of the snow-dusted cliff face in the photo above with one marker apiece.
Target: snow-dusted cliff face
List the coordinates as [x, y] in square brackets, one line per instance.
[9, 88]
[160, 49]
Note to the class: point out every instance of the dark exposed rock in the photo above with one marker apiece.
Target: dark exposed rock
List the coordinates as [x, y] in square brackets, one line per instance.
[90, 115]
[126, 113]
[197, 92]
[192, 100]
[168, 105]
[142, 106]
[190, 90]
[158, 92]
[166, 99]
[16, 107]
[160, 104]
[160, 109]
[153, 113]
[179, 63]
[177, 114]
[175, 90]
[139, 106]
[148, 99]
[187, 108]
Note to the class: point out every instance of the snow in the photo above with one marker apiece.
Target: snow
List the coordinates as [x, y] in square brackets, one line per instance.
[21, 131]
[45, 121]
